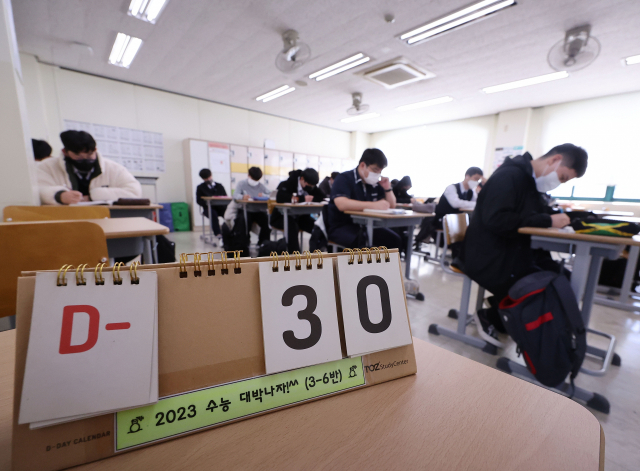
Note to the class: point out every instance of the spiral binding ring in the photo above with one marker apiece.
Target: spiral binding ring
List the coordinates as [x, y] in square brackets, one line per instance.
[98, 274]
[211, 264]
[351, 255]
[117, 280]
[307, 254]
[133, 273]
[225, 267]
[359, 252]
[287, 262]
[387, 258]
[183, 265]
[274, 257]
[296, 254]
[236, 259]
[320, 259]
[197, 269]
[80, 280]
[63, 281]
[368, 252]
[378, 254]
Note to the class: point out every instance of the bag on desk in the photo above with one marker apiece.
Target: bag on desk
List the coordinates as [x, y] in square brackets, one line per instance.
[541, 315]
[606, 228]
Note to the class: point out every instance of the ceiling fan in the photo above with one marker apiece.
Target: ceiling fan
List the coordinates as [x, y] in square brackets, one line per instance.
[357, 106]
[293, 54]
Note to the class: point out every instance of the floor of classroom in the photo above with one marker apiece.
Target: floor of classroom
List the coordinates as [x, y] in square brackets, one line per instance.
[620, 385]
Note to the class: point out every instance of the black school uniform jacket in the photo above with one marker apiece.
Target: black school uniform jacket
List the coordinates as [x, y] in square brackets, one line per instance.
[203, 189]
[494, 254]
[288, 188]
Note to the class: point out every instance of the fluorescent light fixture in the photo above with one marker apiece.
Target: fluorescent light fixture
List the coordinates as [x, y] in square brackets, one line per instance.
[147, 10]
[632, 60]
[277, 93]
[360, 117]
[526, 82]
[124, 50]
[458, 18]
[341, 66]
[423, 104]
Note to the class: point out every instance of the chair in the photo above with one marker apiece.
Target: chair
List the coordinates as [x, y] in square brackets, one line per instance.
[455, 228]
[45, 246]
[53, 213]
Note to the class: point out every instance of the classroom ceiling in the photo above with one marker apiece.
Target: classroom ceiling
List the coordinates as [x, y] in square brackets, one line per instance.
[224, 51]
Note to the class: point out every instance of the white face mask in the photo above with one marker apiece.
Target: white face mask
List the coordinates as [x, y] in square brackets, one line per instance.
[373, 178]
[252, 182]
[548, 182]
[473, 184]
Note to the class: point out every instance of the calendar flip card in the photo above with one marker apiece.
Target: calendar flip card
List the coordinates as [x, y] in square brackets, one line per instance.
[299, 316]
[374, 311]
[92, 348]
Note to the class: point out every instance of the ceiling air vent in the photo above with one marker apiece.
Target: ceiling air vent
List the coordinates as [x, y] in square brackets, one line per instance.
[397, 74]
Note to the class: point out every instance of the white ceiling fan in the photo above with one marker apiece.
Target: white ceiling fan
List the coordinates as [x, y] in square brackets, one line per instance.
[293, 54]
[357, 106]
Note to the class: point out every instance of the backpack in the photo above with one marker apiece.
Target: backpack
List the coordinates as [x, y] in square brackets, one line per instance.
[236, 238]
[541, 315]
[269, 246]
[166, 250]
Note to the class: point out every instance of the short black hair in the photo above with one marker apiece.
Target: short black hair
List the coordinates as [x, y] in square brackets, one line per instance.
[41, 149]
[310, 176]
[205, 173]
[374, 157]
[255, 173]
[573, 157]
[471, 171]
[334, 175]
[78, 141]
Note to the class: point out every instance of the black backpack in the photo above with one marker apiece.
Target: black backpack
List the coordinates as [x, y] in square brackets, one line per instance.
[236, 238]
[269, 246]
[541, 315]
[166, 250]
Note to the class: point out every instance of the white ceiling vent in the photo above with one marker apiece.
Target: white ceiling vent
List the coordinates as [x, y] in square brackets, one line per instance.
[397, 73]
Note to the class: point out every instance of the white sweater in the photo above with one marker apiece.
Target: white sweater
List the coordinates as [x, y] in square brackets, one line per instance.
[114, 181]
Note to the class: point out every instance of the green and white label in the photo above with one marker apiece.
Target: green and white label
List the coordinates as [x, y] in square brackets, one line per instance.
[182, 413]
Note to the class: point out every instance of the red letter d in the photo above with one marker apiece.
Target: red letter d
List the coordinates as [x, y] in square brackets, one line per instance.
[67, 327]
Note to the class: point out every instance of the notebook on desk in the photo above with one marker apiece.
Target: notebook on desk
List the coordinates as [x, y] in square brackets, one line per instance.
[385, 211]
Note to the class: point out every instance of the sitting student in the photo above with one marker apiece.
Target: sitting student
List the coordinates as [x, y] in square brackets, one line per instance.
[356, 190]
[401, 188]
[210, 188]
[299, 188]
[41, 149]
[494, 254]
[459, 196]
[81, 174]
[249, 189]
[326, 184]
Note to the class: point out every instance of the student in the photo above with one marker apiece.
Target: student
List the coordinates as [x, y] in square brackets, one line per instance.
[327, 183]
[494, 254]
[459, 196]
[356, 190]
[210, 188]
[252, 188]
[82, 174]
[41, 149]
[299, 188]
[401, 188]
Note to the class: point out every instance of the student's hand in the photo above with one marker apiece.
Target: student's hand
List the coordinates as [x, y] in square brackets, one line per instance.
[245, 197]
[260, 194]
[308, 198]
[413, 200]
[71, 197]
[385, 183]
[85, 198]
[560, 220]
[382, 204]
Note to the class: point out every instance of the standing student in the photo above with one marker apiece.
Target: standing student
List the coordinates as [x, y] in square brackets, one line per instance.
[249, 189]
[210, 188]
[327, 183]
[81, 174]
[494, 254]
[401, 188]
[41, 149]
[356, 190]
[299, 188]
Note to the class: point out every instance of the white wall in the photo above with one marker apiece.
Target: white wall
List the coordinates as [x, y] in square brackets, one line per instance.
[54, 95]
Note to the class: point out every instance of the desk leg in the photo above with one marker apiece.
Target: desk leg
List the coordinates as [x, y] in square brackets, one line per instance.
[285, 212]
[580, 272]
[147, 250]
[629, 273]
[210, 227]
[590, 287]
[246, 220]
[154, 245]
[409, 252]
[370, 231]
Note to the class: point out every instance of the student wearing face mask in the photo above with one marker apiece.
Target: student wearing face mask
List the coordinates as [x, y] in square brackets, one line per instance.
[494, 254]
[459, 196]
[209, 187]
[249, 189]
[356, 190]
[82, 174]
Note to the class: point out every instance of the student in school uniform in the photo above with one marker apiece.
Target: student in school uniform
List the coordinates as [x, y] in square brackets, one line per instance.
[356, 190]
[249, 189]
[326, 184]
[41, 149]
[300, 187]
[401, 188]
[210, 188]
[459, 196]
[494, 254]
[82, 174]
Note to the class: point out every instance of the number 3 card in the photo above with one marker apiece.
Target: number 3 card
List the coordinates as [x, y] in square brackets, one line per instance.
[299, 315]
[373, 305]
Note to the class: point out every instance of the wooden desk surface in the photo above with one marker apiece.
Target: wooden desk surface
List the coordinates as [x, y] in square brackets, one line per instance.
[251, 202]
[217, 198]
[455, 414]
[142, 206]
[119, 228]
[407, 215]
[299, 205]
[558, 234]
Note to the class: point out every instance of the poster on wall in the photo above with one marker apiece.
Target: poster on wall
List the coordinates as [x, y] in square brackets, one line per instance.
[138, 151]
[502, 153]
[219, 157]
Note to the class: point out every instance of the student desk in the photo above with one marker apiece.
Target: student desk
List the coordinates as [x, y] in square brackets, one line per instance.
[131, 236]
[589, 251]
[409, 220]
[144, 211]
[404, 205]
[255, 206]
[215, 201]
[296, 209]
[454, 414]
